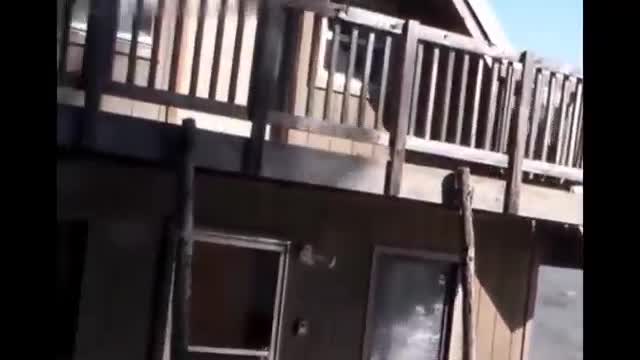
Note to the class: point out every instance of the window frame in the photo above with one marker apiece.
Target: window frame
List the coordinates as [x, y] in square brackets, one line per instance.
[453, 281]
[262, 244]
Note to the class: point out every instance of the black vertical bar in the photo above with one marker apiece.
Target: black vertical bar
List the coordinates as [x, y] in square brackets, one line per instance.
[133, 49]
[155, 47]
[197, 48]
[346, 95]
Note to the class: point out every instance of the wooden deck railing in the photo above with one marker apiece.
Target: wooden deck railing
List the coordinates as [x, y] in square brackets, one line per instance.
[400, 84]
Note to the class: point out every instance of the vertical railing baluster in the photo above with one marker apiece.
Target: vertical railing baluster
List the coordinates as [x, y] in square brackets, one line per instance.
[416, 91]
[505, 121]
[346, 94]
[561, 121]
[447, 95]
[433, 80]
[313, 63]
[177, 45]
[364, 90]
[491, 105]
[197, 48]
[476, 103]
[462, 97]
[548, 115]
[133, 49]
[535, 114]
[575, 117]
[155, 45]
[217, 49]
[383, 83]
[328, 99]
[237, 49]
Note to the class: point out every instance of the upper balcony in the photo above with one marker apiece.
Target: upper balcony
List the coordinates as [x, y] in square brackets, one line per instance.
[402, 99]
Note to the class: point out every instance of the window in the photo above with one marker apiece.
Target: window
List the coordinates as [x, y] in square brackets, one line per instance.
[557, 323]
[408, 312]
[236, 301]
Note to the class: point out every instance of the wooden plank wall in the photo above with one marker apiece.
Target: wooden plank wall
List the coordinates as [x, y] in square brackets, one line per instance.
[343, 224]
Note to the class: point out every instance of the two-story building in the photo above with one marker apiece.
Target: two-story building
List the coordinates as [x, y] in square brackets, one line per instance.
[324, 146]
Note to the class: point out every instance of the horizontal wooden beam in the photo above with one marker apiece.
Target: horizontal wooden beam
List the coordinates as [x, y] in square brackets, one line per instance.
[321, 127]
[485, 157]
[177, 100]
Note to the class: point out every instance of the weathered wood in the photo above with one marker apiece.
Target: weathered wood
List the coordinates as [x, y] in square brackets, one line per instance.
[564, 94]
[465, 193]
[575, 119]
[476, 103]
[177, 46]
[518, 137]
[383, 83]
[401, 106]
[328, 97]
[366, 78]
[433, 80]
[97, 64]
[535, 115]
[133, 49]
[322, 7]
[532, 291]
[446, 104]
[217, 49]
[181, 299]
[505, 122]
[416, 91]
[155, 47]
[491, 106]
[313, 63]
[197, 47]
[462, 97]
[548, 116]
[461, 42]
[64, 38]
[265, 77]
[318, 126]
[162, 291]
[237, 49]
[346, 93]
[165, 97]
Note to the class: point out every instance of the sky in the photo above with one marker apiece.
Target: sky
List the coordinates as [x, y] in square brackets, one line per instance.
[550, 28]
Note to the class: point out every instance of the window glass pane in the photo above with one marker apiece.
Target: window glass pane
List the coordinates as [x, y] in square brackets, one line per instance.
[408, 308]
[233, 296]
[557, 326]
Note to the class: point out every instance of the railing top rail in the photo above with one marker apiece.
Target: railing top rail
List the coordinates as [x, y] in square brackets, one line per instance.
[462, 42]
[548, 65]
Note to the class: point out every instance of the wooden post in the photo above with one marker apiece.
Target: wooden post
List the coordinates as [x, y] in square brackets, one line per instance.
[518, 136]
[465, 193]
[401, 105]
[97, 64]
[265, 78]
[184, 251]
